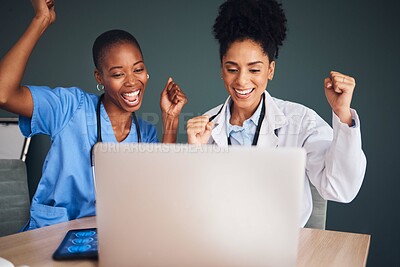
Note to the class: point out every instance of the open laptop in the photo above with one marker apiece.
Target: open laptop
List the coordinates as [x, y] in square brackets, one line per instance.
[184, 205]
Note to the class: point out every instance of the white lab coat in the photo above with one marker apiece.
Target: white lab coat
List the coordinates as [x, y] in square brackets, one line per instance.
[335, 162]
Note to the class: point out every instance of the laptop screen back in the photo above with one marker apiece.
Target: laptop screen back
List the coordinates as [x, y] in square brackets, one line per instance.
[182, 205]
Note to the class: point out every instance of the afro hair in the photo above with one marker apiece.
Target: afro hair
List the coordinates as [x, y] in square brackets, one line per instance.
[262, 21]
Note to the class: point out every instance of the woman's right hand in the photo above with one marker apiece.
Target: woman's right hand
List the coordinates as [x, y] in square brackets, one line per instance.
[199, 130]
[44, 9]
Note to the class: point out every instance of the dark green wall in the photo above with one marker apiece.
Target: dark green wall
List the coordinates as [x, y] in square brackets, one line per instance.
[355, 37]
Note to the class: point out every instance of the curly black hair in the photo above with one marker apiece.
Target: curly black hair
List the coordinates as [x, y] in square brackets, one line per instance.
[108, 39]
[262, 21]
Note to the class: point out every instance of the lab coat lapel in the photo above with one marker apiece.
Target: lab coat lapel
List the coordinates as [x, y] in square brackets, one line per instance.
[219, 132]
[274, 119]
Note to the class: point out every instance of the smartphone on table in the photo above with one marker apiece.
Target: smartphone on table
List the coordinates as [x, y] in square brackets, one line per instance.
[78, 244]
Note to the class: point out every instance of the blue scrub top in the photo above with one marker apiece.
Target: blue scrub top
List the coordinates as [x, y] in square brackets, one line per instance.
[68, 115]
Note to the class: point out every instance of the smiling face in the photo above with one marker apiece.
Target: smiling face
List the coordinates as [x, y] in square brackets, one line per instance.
[124, 76]
[246, 70]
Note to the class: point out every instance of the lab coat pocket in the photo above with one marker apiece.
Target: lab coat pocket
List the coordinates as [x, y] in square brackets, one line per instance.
[44, 215]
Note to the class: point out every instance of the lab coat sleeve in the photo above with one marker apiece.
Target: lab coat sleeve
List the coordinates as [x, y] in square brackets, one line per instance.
[336, 163]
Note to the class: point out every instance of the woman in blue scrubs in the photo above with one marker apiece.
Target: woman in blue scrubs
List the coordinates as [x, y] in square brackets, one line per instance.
[76, 120]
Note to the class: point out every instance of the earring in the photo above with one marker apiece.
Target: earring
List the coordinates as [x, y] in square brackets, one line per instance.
[100, 87]
[148, 76]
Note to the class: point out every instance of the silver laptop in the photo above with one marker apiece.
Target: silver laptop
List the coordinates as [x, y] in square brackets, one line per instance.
[183, 205]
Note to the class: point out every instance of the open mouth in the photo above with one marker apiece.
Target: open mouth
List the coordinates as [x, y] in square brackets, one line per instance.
[243, 93]
[131, 98]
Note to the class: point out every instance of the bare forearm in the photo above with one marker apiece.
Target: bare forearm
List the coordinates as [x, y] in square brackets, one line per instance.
[12, 66]
[170, 129]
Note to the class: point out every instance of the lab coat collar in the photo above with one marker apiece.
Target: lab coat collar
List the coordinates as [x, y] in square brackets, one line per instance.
[274, 120]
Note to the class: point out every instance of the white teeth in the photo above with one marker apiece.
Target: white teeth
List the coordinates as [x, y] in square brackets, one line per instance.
[132, 94]
[243, 92]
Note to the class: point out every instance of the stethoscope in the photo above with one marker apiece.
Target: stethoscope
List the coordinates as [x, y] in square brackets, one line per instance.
[260, 121]
[99, 138]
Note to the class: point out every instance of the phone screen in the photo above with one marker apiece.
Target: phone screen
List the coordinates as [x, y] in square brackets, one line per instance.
[78, 244]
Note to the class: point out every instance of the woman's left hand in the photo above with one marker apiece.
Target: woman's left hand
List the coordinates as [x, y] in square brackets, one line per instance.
[339, 90]
[172, 99]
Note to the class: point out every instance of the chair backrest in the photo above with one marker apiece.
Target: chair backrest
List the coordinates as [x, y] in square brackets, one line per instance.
[14, 196]
[318, 215]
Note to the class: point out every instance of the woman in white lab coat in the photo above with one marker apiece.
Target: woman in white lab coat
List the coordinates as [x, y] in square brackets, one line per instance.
[249, 33]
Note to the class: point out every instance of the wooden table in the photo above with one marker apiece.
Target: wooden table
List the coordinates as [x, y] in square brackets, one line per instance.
[316, 247]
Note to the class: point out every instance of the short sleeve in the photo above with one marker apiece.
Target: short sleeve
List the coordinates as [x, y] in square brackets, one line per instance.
[52, 110]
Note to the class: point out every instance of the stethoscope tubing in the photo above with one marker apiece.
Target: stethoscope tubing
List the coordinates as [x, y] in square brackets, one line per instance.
[98, 119]
[260, 121]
